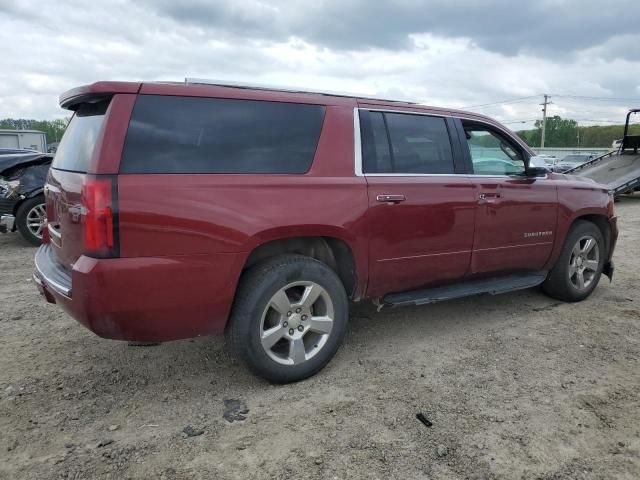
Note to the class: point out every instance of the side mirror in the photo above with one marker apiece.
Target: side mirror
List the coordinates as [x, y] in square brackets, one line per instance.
[537, 171]
[537, 167]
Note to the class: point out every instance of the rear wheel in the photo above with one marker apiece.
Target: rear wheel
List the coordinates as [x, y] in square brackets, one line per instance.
[289, 318]
[31, 219]
[579, 267]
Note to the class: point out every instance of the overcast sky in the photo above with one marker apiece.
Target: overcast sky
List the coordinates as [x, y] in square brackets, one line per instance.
[439, 52]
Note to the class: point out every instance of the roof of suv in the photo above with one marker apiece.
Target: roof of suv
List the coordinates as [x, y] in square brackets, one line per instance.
[104, 89]
[197, 88]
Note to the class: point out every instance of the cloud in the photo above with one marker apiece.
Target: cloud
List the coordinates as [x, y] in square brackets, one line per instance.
[454, 54]
[545, 27]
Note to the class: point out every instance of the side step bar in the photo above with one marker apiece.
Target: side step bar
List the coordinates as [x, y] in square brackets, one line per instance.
[493, 286]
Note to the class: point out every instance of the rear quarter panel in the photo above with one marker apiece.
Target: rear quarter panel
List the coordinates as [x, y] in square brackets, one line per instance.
[200, 214]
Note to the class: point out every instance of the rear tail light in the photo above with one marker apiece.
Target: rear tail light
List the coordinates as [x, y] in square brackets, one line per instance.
[99, 219]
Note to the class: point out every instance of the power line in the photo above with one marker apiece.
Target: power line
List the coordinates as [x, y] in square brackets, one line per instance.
[502, 102]
[577, 97]
[521, 121]
[612, 99]
[599, 121]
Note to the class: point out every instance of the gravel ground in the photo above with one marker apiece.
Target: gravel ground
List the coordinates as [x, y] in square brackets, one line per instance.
[514, 386]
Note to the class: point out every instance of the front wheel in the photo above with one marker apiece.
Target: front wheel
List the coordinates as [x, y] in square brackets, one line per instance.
[579, 267]
[289, 318]
[31, 219]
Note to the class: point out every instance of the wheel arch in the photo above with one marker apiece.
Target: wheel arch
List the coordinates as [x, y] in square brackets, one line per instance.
[28, 196]
[599, 220]
[335, 252]
[597, 216]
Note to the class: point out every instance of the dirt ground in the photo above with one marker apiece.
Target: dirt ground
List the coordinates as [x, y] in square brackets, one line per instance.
[515, 386]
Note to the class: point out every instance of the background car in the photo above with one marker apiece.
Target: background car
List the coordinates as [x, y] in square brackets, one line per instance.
[492, 165]
[572, 160]
[22, 206]
[15, 151]
[548, 159]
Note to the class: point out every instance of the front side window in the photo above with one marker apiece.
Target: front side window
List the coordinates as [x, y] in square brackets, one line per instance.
[491, 153]
[170, 134]
[407, 143]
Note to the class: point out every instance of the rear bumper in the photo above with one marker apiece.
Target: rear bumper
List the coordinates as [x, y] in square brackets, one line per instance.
[143, 298]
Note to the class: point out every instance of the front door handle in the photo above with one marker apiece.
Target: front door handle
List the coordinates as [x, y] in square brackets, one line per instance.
[489, 196]
[391, 198]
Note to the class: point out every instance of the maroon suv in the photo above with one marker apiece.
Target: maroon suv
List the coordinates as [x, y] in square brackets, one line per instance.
[178, 210]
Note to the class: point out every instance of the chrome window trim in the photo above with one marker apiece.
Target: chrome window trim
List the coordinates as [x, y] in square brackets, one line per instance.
[357, 145]
[357, 148]
[457, 175]
[408, 112]
[357, 142]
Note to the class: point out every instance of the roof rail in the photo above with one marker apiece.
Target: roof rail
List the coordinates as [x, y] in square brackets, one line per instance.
[259, 86]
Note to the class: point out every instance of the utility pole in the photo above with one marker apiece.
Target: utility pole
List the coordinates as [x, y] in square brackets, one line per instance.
[544, 117]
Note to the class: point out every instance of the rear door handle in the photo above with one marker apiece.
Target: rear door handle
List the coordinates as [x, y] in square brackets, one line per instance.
[391, 198]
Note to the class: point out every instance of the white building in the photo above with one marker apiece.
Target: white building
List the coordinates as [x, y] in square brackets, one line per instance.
[30, 139]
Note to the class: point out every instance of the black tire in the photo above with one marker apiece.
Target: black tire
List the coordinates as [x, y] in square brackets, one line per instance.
[558, 284]
[256, 289]
[21, 219]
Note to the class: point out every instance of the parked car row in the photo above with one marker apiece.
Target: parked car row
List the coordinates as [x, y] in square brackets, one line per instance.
[571, 161]
[567, 162]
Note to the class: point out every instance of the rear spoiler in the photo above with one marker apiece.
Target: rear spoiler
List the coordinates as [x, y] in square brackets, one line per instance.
[94, 92]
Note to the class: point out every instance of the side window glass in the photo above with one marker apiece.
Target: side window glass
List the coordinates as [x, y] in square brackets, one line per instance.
[382, 155]
[492, 154]
[419, 144]
[172, 134]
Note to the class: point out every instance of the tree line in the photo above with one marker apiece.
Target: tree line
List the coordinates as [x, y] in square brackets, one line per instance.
[562, 132]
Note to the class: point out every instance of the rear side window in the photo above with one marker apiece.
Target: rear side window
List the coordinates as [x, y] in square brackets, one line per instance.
[79, 139]
[205, 135]
[418, 144]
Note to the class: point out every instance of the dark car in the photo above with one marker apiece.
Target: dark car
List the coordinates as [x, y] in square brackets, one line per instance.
[22, 205]
[572, 161]
[180, 210]
[15, 151]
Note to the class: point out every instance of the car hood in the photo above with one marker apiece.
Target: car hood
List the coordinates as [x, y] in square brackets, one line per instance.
[10, 161]
[576, 178]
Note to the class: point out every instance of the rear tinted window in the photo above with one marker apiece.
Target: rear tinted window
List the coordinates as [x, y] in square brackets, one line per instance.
[419, 144]
[205, 135]
[79, 139]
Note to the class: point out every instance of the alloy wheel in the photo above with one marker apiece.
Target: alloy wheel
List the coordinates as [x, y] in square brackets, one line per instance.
[36, 220]
[296, 323]
[584, 262]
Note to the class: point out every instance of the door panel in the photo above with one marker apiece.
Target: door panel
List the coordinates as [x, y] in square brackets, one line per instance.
[516, 215]
[423, 240]
[515, 224]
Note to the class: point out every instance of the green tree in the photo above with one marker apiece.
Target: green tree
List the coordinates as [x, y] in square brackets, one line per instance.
[566, 133]
[54, 129]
